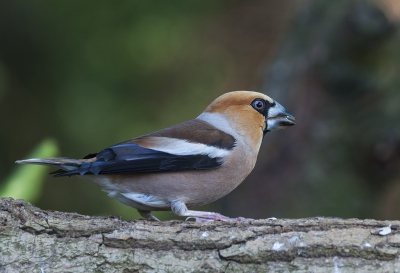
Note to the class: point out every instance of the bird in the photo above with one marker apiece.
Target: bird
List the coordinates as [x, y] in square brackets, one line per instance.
[186, 165]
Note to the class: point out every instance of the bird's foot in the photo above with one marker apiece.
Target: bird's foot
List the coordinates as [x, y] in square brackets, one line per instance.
[147, 215]
[180, 209]
[213, 216]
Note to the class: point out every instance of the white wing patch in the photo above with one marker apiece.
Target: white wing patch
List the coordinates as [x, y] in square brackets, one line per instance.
[182, 147]
[147, 199]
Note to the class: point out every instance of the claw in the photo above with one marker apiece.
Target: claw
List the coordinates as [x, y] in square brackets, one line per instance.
[147, 215]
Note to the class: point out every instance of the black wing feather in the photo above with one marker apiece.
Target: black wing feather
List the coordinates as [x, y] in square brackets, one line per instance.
[129, 157]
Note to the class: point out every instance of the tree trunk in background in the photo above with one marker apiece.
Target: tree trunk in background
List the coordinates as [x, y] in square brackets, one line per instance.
[33, 240]
[337, 72]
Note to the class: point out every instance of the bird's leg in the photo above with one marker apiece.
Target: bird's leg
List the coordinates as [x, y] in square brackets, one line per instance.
[147, 215]
[180, 209]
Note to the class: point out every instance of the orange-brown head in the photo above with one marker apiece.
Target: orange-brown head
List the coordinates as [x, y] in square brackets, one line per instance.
[251, 113]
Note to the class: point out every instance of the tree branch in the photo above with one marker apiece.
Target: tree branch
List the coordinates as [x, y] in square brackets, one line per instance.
[48, 241]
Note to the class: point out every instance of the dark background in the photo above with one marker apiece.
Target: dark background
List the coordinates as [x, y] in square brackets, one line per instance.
[76, 77]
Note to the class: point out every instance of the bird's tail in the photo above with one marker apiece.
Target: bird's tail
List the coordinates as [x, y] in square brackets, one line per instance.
[66, 164]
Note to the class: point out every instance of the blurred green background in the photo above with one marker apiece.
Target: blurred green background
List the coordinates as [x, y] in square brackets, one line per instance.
[78, 76]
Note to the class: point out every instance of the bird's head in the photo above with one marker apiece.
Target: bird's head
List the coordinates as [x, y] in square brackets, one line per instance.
[252, 112]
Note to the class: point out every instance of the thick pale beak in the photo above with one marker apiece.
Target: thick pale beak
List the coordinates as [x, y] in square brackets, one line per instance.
[278, 118]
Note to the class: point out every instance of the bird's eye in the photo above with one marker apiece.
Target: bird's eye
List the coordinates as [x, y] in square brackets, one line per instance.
[258, 104]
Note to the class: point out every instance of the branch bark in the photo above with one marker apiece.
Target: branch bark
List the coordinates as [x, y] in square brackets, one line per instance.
[34, 240]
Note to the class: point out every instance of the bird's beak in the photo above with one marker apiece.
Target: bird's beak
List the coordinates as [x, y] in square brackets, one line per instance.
[278, 118]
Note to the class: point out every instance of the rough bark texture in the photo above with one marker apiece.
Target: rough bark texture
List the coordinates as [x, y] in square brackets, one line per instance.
[33, 240]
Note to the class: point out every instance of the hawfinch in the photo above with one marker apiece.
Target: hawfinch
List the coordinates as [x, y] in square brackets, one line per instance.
[189, 164]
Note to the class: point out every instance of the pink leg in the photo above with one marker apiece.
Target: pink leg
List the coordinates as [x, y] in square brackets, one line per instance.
[180, 209]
